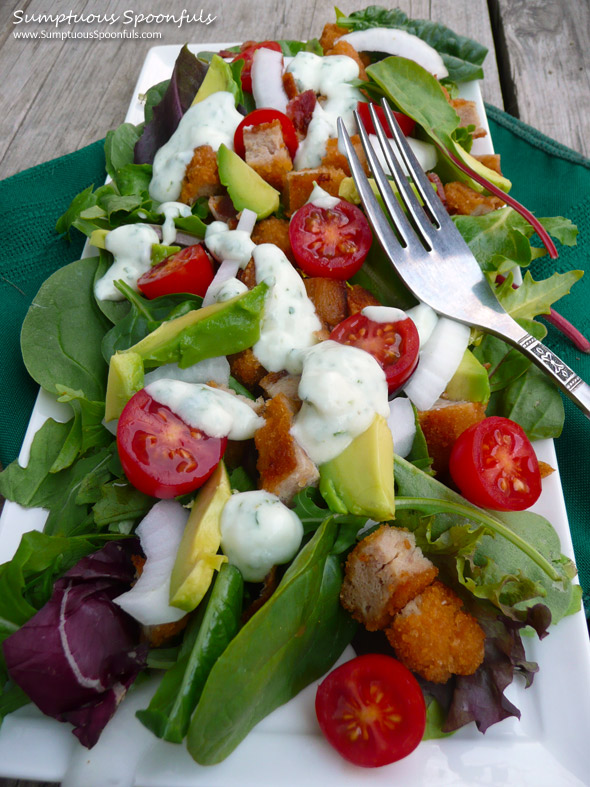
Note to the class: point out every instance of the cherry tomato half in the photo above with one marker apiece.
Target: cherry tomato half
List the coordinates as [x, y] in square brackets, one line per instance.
[267, 116]
[494, 465]
[394, 345]
[160, 454]
[189, 270]
[247, 55]
[406, 123]
[371, 709]
[330, 242]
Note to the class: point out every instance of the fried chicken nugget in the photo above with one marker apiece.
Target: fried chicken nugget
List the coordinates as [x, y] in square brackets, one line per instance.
[434, 637]
[383, 572]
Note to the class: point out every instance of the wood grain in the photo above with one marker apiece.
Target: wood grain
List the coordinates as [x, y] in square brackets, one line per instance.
[548, 59]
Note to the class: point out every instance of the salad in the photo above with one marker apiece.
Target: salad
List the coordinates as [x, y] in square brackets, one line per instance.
[225, 505]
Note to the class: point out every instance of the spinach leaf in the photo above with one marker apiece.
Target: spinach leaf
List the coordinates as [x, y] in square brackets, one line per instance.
[118, 502]
[83, 201]
[62, 332]
[210, 632]
[310, 508]
[378, 275]
[12, 697]
[144, 317]
[86, 430]
[118, 147]
[291, 641]
[153, 97]
[462, 56]
[112, 310]
[503, 362]
[291, 48]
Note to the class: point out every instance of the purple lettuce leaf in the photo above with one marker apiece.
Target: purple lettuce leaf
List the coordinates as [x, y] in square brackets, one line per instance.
[79, 654]
[187, 76]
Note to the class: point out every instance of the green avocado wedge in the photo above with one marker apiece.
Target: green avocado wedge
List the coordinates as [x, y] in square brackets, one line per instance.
[245, 186]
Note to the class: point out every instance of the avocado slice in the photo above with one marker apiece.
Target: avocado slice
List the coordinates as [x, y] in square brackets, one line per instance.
[218, 77]
[160, 252]
[197, 557]
[449, 171]
[245, 186]
[470, 383]
[125, 379]
[360, 479]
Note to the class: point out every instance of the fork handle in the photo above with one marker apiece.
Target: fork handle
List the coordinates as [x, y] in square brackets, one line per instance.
[570, 383]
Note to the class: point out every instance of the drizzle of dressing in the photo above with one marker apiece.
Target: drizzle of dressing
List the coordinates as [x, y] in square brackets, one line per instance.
[383, 314]
[330, 77]
[213, 411]
[213, 122]
[289, 322]
[171, 211]
[342, 388]
[226, 244]
[131, 246]
[321, 199]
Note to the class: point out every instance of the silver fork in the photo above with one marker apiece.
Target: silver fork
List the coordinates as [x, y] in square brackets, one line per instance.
[431, 256]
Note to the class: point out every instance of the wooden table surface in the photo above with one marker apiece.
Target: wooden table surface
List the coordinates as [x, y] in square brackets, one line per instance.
[59, 95]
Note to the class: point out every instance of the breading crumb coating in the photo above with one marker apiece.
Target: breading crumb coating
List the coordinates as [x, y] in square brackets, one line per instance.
[435, 637]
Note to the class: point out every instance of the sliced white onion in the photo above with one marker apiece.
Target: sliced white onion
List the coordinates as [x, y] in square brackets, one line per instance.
[425, 320]
[160, 533]
[267, 80]
[424, 152]
[228, 268]
[216, 369]
[439, 359]
[400, 43]
[402, 424]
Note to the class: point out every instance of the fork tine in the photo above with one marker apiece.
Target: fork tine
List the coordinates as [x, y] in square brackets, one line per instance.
[376, 216]
[399, 218]
[423, 185]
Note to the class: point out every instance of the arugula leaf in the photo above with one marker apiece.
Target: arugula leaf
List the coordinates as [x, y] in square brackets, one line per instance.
[535, 297]
[462, 56]
[62, 332]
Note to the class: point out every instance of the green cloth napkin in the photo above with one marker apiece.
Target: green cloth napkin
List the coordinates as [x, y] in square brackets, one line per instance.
[548, 178]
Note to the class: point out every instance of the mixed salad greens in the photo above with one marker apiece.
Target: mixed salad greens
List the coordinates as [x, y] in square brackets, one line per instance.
[248, 649]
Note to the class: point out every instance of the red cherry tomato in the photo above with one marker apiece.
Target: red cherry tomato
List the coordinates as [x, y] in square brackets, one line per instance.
[494, 465]
[394, 345]
[189, 270]
[406, 123]
[247, 55]
[267, 116]
[160, 454]
[371, 710]
[330, 242]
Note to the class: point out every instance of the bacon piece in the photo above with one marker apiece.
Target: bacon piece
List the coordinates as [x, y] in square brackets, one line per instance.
[440, 189]
[248, 275]
[222, 208]
[284, 467]
[300, 109]
[329, 298]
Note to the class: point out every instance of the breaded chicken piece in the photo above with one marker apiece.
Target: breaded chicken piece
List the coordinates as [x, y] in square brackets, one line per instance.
[329, 299]
[267, 153]
[468, 115]
[248, 274]
[357, 298]
[334, 158]
[490, 160]
[465, 201]
[246, 368]
[284, 467]
[434, 637]
[383, 572]
[275, 383]
[300, 182]
[201, 178]
[330, 34]
[443, 424]
[274, 230]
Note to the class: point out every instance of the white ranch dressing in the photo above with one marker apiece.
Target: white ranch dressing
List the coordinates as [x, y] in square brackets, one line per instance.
[171, 211]
[230, 288]
[330, 77]
[321, 199]
[383, 314]
[226, 244]
[213, 411]
[259, 532]
[131, 246]
[289, 321]
[342, 388]
[216, 369]
[213, 122]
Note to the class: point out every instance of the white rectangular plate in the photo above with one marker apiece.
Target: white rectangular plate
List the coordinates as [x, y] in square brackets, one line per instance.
[548, 747]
